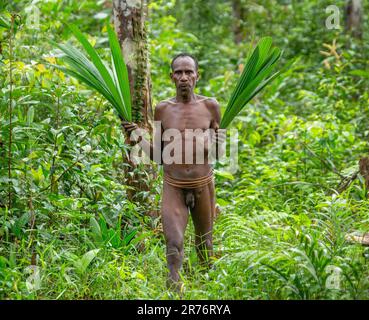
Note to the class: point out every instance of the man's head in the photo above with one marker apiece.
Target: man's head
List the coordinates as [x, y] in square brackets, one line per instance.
[184, 72]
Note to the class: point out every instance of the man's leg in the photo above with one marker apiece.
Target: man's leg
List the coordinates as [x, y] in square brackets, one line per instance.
[203, 215]
[174, 218]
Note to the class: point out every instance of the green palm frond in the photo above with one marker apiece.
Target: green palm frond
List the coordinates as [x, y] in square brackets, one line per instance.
[256, 74]
[113, 83]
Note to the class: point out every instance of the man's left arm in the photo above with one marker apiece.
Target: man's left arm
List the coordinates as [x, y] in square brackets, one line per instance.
[220, 134]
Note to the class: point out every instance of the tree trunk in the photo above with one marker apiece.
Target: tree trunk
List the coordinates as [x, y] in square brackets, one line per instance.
[129, 21]
[238, 15]
[364, 170]
[353, 18]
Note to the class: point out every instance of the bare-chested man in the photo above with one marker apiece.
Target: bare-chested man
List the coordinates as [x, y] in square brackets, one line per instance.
[187, 186]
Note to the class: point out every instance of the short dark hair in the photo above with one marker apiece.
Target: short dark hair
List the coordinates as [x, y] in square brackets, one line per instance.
[182, 55]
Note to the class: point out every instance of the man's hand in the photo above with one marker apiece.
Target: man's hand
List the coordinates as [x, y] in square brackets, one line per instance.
[220, 140]
[134, 132]
[129, 126]
[220, 136]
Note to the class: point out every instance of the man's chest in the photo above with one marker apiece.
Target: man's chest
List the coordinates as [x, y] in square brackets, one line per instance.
[182, 117]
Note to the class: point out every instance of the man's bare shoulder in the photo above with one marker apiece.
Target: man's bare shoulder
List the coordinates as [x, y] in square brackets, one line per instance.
[214, 108]
[159, 109]
[209, 101]
[161, 106]
[212, 104]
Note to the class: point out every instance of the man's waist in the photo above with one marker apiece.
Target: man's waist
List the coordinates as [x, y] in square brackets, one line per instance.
[188, 182]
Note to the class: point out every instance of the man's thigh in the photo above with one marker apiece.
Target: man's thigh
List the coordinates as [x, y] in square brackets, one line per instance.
[204, 209]
[174, 212]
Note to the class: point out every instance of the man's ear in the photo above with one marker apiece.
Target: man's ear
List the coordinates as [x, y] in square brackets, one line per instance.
[198, 76]
[171, 75]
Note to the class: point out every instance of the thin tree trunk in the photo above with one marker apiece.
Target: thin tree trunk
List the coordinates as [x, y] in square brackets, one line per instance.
[129, 21]
[354, 17]
[364, 171]
[239, 16]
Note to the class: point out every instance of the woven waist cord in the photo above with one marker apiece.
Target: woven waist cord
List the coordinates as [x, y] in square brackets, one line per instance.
[189, 184]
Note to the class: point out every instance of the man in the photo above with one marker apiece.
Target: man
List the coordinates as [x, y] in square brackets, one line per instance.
[188, 184]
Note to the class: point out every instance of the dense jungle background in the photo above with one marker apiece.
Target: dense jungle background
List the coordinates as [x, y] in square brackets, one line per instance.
[74, 225]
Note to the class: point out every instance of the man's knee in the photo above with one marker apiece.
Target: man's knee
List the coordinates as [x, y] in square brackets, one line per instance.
[174, 249]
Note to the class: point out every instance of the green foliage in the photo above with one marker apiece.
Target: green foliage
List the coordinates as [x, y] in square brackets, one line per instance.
[81, 263]
[281, 232]
[103, 235]
[5, 22]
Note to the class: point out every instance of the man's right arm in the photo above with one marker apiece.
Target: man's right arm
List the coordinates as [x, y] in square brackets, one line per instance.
[153, 150]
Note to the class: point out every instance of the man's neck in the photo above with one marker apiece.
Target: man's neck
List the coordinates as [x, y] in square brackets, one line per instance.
[186, 98]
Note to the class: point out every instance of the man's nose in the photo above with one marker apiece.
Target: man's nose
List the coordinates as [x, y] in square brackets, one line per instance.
[183, 78]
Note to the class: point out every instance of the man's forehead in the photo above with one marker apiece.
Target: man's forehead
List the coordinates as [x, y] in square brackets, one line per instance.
[184, 63]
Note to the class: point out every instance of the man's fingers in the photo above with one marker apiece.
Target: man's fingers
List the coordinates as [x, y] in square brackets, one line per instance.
[124, 122]
[129, 126]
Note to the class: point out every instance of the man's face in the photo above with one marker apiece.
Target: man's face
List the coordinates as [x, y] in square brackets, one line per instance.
[184, 74]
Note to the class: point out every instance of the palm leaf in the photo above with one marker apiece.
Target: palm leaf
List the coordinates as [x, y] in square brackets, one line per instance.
[112, 83]
[119, 69]
[86, 71]
[96, 61]
[245, 76]
[256, 75]
[76, 57]
[264, 49]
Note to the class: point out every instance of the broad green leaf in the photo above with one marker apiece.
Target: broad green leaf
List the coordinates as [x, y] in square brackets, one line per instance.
[82, 263]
